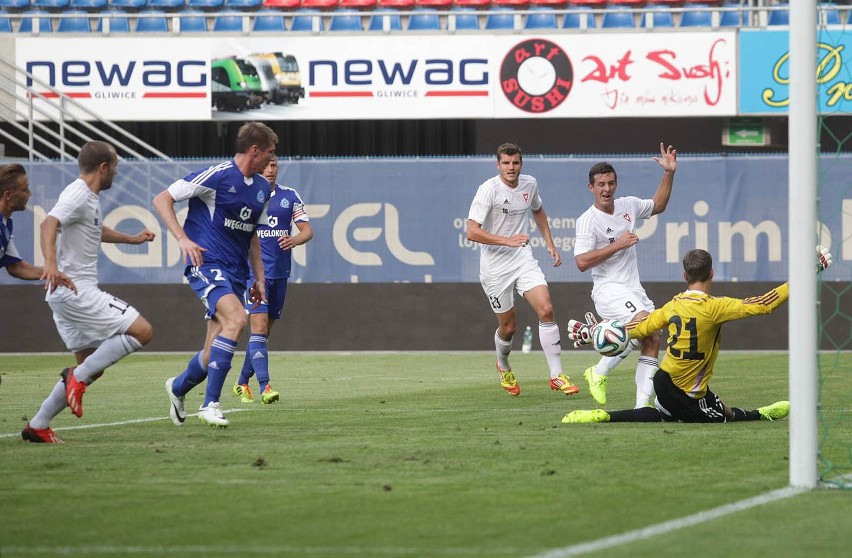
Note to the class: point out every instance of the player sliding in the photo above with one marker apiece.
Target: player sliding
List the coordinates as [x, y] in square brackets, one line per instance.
[693, 320]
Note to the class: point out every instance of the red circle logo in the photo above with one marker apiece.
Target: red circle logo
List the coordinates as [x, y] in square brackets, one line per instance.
[536, 75]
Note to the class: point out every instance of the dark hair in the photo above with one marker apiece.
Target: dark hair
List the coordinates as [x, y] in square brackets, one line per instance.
[509, 149]
[697, 265]
[10, 175]
[255, 133]
[93, 153]
[601, 168]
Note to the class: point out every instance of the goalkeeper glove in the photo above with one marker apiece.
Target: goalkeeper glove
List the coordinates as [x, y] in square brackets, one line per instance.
[581, 333]
[823, 258]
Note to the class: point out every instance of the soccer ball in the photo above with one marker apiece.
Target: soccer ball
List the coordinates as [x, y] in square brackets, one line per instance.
[609, 338]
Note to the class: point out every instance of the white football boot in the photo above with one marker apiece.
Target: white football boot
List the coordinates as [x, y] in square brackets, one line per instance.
[212, 415]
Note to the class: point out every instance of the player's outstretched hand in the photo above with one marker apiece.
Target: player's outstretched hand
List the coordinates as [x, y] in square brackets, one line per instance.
[824, 260]
[581, 333]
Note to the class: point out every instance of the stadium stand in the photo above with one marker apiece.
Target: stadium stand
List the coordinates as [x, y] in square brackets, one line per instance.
[346, 20]
[192, 20]
[228, 21]
[307, 20]
[282, 4]
[385, 22]
[93, 5]
[463, 18]
[472, 4]
[654, 19]
[14, 5]
[424, 19]
[152, 21]
[319, 4]
[243, 5]
[578, 18]
[697, 17]
[131, 5]
[205, 4]
[269, 20]
[500, 17]
[76, 22]
[541, 17]
[398, 4]
[44, 24]
[618, 18]
[166, 5]
[118, 21]
[437, 4]
[357, 4]
[51, 5]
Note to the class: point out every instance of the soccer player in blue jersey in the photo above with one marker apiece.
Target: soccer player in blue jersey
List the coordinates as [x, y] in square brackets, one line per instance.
[14, 194]
[693, 322]
[276, 243]
[218, 241]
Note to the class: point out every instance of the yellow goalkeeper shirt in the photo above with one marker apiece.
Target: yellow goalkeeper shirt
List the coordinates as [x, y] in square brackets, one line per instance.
[693, 324]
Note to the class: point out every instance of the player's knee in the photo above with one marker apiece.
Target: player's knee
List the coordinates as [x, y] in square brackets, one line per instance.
[142, 331]
[545, 313]
[235, 325]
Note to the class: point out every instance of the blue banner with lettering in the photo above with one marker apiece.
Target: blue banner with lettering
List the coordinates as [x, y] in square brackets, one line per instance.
[403, 220]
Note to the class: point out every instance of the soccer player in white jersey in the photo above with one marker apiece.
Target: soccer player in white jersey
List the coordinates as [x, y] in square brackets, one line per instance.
[606, 244]
[14, 194]
[97, 327]
[218, 241]
[499, 221]
[286, 210]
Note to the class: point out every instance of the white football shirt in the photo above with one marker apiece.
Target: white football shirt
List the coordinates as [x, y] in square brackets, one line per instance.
[504, 211]
[78, 211]
[595, 229]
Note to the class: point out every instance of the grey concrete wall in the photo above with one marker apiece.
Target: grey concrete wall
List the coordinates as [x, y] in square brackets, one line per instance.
[343, 317]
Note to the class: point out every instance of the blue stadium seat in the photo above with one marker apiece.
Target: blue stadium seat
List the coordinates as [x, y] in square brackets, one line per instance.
[463, 18]
[5, 22]
[192, 21]
[543, 17]
[243, 5]
[424, 19]
[731, 18]
[303, 20]
[228, 21]
[779, 17]
[51, 5]
[133, 5]
[578, 18]
[699, 17]
[152, 21]
[618, 18]
[653, 19]
[387, 22]
[14, 5]
[119, 23]
[500, 17]
[89, 4]
[167, 5]
[44, 24]
[205, 4]
[829, 14]
[77, 22]
[345, 20]
[269, 20]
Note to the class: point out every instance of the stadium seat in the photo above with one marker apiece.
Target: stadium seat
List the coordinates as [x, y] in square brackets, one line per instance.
[89, 4]
[192, 21]
[652, 19]
[618, 18]
[267, 19]
[387, 22]
[398, 4]
[779, 17]
[319, 4]
[357, 4]
[549, 3]
[439, 4]
[14, 5]
[282, 4]
[304, 20]
[500, 17]
[472, 4]
[578, 18]
[51, 5]
[588, 3]
[133, 5]
[516, 4]
[118, 21]
[424, 19]
[5, 22]
[699, 16]
[152, 21]
[243, 5]
[205, 4]
[624, 3]
[166, 5]
[76, 21]
[829, 14]
[541, 17]
[731, 17]
[44, 24]
[463, 18]
[346, 20]
[228, 21]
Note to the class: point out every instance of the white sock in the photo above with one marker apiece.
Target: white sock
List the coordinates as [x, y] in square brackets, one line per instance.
[503, 348]
[551, 344]
[606, 364]
[108, 353]
[645, 371]
[51, 407]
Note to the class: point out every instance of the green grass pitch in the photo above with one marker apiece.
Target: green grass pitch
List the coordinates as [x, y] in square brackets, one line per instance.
[399, 454]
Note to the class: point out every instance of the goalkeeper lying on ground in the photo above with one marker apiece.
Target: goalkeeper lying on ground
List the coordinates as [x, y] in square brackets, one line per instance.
[693, 320]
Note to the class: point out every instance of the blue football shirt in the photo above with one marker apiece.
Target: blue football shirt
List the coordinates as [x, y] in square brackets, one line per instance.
[285, 207]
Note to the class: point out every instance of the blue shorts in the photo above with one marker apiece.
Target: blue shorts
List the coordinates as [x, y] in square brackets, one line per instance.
[210, 283]
[276, 292]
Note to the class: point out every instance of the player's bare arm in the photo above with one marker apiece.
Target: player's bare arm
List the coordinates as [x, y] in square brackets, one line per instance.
[540, 218]
[164, 203]
[592, 258]
[306, 232]
[111, 236]
[668, 162]
[476, 233]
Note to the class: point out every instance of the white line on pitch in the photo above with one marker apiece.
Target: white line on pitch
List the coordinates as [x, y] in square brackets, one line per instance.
[120, 423]
[669, 526]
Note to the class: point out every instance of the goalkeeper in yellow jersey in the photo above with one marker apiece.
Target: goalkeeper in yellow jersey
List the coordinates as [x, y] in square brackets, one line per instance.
[693, 322]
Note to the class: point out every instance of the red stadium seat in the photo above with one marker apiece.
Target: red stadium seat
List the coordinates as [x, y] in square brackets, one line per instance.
[588, 3]
[472, 3]
[282, 4]
[358, 4]
[625, 3]
[551, 3]
[318, 4]
[519, 4]
[438, 4]
[396, 4]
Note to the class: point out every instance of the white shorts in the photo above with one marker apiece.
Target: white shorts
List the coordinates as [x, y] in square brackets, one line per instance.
[500, 289]
[618, 302]
[88, 319]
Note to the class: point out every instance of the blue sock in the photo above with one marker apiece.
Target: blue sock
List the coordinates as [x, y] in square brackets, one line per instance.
[221, 355]
[191, 377]
[248, 371]
[259, 359]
